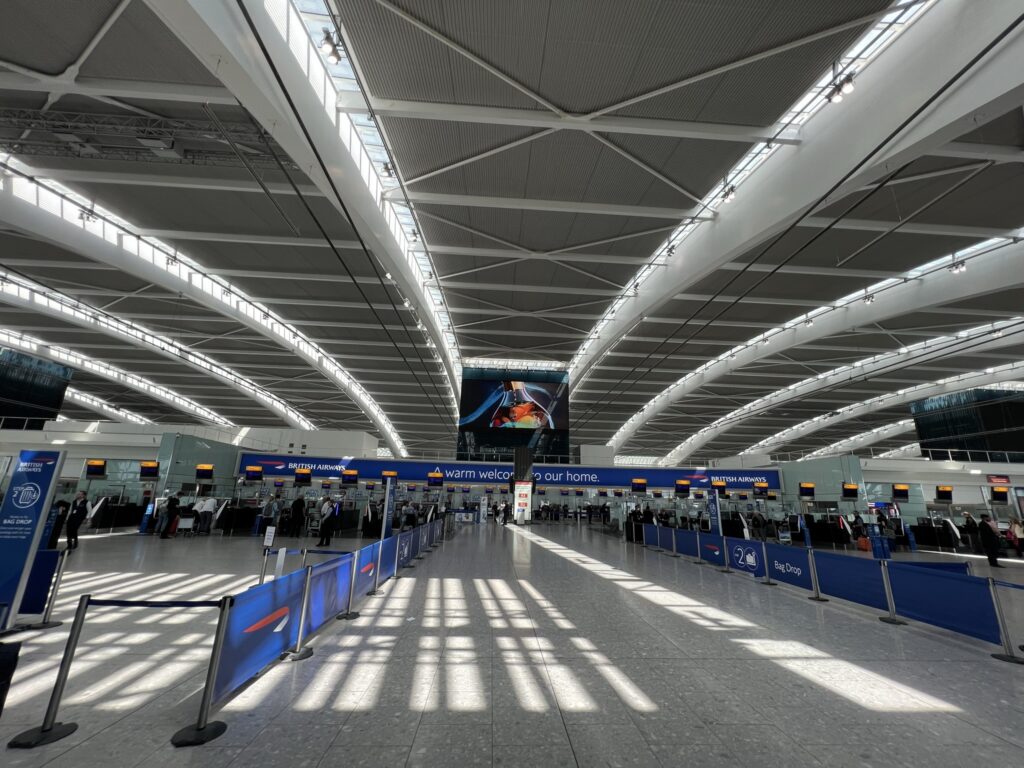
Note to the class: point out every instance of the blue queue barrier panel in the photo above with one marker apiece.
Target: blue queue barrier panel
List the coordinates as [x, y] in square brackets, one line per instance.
[650, 533]
[665, 538]
[949, 600]
[790, 565]
[712, 549]
[39, 581]
[414, 544]
[686, 543]
[964, 569]
[404, 548]
[745, 556]
[328, 591]
[365, 567]
[851, 578]
[389, 548]
[263, 624]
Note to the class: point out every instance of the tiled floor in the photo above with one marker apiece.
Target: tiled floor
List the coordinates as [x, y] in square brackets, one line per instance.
[548, 646]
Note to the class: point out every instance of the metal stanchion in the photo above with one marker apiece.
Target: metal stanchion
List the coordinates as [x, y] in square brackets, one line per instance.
[675, 545]
[725, 556]
[351, 613]
[1004, 632]
[46, 623]
[398, 549]
[51, 731]
[204, 731]
[767, 570]
[263, 570]
[305, 554]
[700, 559]
[376, 571]
[889, 601]
[814, 579]
[422, 552]
[301, 653]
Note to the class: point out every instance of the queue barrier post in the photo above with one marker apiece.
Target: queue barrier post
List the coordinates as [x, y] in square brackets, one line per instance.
[47, 622]
[700, 559]
[725, 556]
[418, 531]
[889, 601]
[351, 613]
[398, 549]
[376, 571]
[301, 652]
[51, 731]
[767, 570]
[814, 579]
[205, 731]
[675, 543]
[1004, 632]
[305, 554]
[263, 570]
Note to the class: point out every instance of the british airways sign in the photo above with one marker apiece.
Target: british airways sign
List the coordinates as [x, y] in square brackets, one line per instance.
[480, 472]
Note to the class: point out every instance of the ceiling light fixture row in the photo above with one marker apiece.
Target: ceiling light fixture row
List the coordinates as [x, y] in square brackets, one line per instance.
[958, 267]
[329, 47]
[842, 85]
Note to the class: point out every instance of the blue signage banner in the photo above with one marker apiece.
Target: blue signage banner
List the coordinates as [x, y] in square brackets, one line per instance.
[650, 534]
[22, 516]
[328, 590]
[405, 548]
[263, 624]
[746, 556]
[856, 579]
[275, 465]
[952, 601]
[714, 512]
[365, 567]
[389, 548]
[790, 565]
[686, 543]
[665, 538]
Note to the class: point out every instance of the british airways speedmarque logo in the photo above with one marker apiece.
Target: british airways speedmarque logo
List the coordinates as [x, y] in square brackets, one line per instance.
[266, 621]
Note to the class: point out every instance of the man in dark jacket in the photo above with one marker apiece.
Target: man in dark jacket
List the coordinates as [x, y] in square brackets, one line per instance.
[989, 540]
[173, 505]
[79, 511]
[298, 518]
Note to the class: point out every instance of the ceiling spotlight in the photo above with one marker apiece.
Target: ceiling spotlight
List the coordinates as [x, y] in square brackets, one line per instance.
[846, 86]
[406, 304]
[809, 322]
[414, 235]
[869, 299]
[389, 171]
[328, 42]
[333, 57]
[387, 275]
[86, 216]
[729, 193]
[835, 95]
[957, 267]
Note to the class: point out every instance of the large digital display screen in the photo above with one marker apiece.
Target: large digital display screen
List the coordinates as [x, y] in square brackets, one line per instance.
[504, 409]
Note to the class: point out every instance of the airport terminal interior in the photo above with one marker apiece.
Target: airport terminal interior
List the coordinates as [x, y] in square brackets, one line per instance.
[511, 383]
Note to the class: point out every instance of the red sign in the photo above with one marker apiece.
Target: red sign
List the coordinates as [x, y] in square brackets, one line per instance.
[1003, 479]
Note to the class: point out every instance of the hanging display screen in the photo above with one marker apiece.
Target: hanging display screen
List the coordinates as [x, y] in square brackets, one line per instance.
[682, 488]
[1000, 494]
[944, 493]
[435, 479]
[760, 489]
[350, 477]
[900, 492]
[204, 471]
[149, 470]
[850, 490]
[638, 485]
[500, 408]
[254, 472]
[303, 476]
[807, 490]
[96, 468]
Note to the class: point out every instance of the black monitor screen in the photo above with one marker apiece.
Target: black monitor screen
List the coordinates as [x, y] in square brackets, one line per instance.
[806, 491]
[900, 492]
[435, 481]
[849, 491]
[96, 468]
[204, 471]
[254, 473]
[943, 493]
[1000, 495]
[303, 476]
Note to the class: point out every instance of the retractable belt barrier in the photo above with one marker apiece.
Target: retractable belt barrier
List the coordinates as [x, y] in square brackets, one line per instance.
[941, 594]
[266, 623]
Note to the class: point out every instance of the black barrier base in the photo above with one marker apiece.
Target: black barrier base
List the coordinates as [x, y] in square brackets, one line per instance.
[44, 625]
[891, 620]
[768, 583]
[190, 736]
[818, 599]
[37, 737]
[375, 593]
[1007, 657]
[305, 653]
[350, 616]
[408, 565]
[726, 570]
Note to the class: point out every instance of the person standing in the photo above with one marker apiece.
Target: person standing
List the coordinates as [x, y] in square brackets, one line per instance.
[298, 519]
[206, 511]
[971, 529]
[79, 511]
[1014, 534]
[504, 513]
[326, 522]
[171, 510]
[989, 540]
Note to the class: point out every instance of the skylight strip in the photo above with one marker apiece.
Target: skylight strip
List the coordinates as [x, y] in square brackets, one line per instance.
[100, 405]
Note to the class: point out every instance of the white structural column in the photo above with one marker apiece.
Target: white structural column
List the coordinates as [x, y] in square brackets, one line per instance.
[143, 386]
[219, 35]
[917, 65]
[980, 339]
[1007, 376]
[989, 271]
[102, 407]
[864, 439]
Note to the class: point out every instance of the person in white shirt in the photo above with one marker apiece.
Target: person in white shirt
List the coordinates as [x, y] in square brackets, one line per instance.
[326, 522]
[206, 510]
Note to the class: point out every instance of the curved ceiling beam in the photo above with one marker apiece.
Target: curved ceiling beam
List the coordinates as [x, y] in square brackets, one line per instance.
[908, 451]
[67, 357]
[790, 180]
[973, 340]
[1005, 375]
[101, 406]
[55, 214]
[19, 292]
[219, 36]
[994, 266]
[855, 442]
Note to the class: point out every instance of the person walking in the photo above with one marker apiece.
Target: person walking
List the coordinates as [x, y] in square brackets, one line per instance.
[326, 522]
[79, 511]
[298, 517]
[971, 529]
[504, 513]
[989, 540]
[1014, 534]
